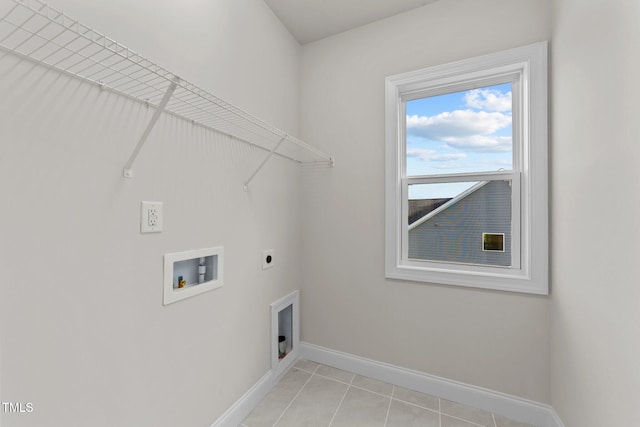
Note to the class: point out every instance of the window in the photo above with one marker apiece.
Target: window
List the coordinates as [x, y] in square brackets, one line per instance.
[466, 172]
[493, 242]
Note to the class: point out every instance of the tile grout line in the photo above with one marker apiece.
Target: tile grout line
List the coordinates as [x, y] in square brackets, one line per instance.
[386, 419]
[439, 411]
[384, 395]
[342, 400]
[306, 370]
[392, 398]
[296, 396]
[333, 379]
[371, 391]
[463, 419]
[416, 405]
[337, 380]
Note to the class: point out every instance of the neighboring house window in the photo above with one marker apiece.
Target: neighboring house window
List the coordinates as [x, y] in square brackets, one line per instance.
[466, 172]
[493, 242]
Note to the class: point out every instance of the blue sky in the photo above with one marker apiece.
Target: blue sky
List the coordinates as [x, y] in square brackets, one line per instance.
[467, 131]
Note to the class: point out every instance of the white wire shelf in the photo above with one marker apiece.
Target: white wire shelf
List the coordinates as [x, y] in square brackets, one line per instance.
[33, 30]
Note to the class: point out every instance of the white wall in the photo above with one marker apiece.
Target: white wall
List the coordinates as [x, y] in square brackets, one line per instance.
[84, 335]
[490, 339]
[595, 204]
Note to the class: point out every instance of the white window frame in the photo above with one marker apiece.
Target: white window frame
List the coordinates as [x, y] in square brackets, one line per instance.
[526, 67]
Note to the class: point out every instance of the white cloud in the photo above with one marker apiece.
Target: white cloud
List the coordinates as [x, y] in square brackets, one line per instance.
[447, 157]
[423, 154]
[481, 143]
[456, 124]
[487, 99]
[428, 155]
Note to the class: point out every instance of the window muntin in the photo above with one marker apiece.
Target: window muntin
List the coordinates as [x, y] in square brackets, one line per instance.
[412, 168]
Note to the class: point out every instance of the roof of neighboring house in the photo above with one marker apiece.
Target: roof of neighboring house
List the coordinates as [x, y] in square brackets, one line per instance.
[448, 204]
[420, 207]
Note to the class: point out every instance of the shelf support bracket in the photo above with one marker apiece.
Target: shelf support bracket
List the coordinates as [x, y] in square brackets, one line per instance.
[128, 172]
[266, 159]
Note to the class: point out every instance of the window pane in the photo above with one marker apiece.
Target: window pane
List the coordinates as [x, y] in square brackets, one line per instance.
[493, 242]
[450, 222]
[468, 131]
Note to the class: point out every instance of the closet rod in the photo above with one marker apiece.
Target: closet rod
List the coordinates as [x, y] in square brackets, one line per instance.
[128, 172]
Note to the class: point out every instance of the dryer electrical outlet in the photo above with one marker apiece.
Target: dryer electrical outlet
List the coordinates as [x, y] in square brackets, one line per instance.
[151, 217]
[267, 259]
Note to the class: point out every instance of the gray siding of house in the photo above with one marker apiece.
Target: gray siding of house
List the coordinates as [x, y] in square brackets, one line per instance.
[455, 234]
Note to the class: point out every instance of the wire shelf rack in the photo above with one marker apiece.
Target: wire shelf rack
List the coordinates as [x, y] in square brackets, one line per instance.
[38, 32]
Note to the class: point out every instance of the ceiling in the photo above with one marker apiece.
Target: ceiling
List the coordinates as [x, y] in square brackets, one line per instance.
[311, 20]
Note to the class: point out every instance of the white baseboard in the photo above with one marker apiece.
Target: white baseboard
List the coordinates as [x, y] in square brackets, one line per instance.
[535, 413]
[233, 416]
[516, 408]
[556, 419]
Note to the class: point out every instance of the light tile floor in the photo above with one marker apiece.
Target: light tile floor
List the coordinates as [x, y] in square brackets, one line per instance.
[314, 395]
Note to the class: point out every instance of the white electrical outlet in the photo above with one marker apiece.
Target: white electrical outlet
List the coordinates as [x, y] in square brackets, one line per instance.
[150, 217]
[267, 259]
